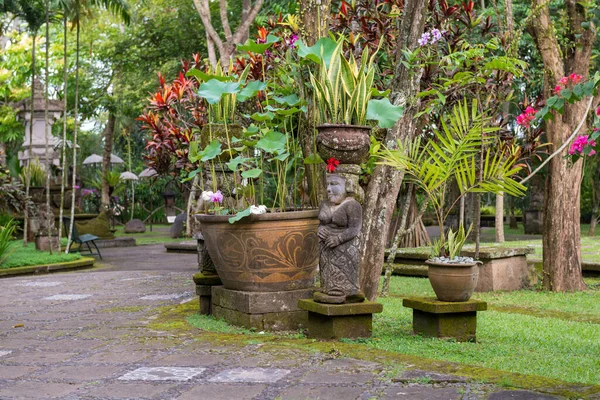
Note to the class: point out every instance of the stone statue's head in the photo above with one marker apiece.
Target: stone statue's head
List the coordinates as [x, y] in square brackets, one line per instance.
[336, 188]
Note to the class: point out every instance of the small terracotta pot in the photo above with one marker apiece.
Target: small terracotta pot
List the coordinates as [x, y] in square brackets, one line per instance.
[347, 143]
[453, 282]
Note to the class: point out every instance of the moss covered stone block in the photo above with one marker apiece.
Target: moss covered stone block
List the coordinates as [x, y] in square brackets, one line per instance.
[336, 321]
[270, 311]
[452, 320]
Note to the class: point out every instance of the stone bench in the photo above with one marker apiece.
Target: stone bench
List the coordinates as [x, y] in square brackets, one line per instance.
[502, 268]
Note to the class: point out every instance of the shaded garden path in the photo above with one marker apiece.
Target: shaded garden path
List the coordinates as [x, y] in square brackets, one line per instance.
[102, 334]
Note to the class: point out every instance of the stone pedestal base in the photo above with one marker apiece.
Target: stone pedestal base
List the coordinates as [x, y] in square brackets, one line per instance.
[441, 319]
[336, 321]
[204, 285]
[263, 311]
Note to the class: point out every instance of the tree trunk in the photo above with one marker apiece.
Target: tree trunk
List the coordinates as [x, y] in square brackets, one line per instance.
[595, 198]
[75, 128]
[383, 188]
[27, 178]
[109, 133]
[63, 161]
[2, 153]
[561, 233]
[561, 236]
[316, 17]
[49, 214]
[499, 218]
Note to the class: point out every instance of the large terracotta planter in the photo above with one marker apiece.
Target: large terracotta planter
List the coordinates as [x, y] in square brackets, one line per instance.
[347, 143]
[264, 253]
[453, 282]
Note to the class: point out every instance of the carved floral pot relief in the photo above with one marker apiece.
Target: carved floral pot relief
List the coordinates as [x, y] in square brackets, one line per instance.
[264, 253]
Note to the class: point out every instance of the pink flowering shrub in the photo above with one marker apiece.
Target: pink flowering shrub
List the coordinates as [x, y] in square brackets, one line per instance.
[579, 145]
[567, 81]
[525, 118]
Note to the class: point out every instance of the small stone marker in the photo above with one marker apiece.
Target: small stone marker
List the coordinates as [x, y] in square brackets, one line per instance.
[442, 319]
[250, 375]
[162, 374]
[177, 229]
[336, 321]
[135, 226]
[204, 284]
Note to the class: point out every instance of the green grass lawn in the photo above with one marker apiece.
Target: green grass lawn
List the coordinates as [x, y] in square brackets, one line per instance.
[20, 256]
[554, 335]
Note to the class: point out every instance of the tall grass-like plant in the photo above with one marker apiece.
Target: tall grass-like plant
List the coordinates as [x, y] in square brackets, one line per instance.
[7, 231]
[343, 87]
[35, 173]
[453, 155]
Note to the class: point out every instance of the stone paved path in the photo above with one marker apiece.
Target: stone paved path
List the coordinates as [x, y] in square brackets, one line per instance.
[90, 335]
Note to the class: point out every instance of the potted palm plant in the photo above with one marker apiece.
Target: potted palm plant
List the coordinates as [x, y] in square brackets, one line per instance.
[453, 155]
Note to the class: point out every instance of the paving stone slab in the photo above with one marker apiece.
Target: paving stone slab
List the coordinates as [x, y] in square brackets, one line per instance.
[188, 360]
[421, 393]
[131, 390]
[162, 374]
[82, 373]
[251, 375]
[38, 390]
[117, 358]
[15, 371]
[321, 393]
[39, 357]
[222, 392]
[520, 395]
[68, 297]
[40, 284]
[324, 376]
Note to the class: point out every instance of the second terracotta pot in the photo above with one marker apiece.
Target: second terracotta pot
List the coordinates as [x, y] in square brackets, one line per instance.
[453, 282]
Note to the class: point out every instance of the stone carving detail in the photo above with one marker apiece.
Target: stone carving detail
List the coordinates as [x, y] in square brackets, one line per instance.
[340, 223]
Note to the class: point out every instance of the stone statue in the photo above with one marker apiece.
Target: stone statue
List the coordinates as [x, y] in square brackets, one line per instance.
[339, 229]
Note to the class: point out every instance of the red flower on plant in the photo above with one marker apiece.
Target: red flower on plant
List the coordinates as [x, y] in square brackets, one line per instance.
[525, 118]
[332, 164]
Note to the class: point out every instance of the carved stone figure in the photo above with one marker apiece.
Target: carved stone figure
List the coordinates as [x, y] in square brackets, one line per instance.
[339, 229]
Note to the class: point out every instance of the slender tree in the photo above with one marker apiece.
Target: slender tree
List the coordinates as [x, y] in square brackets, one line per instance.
[33, 14]
[63, 150]
[50, 220]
